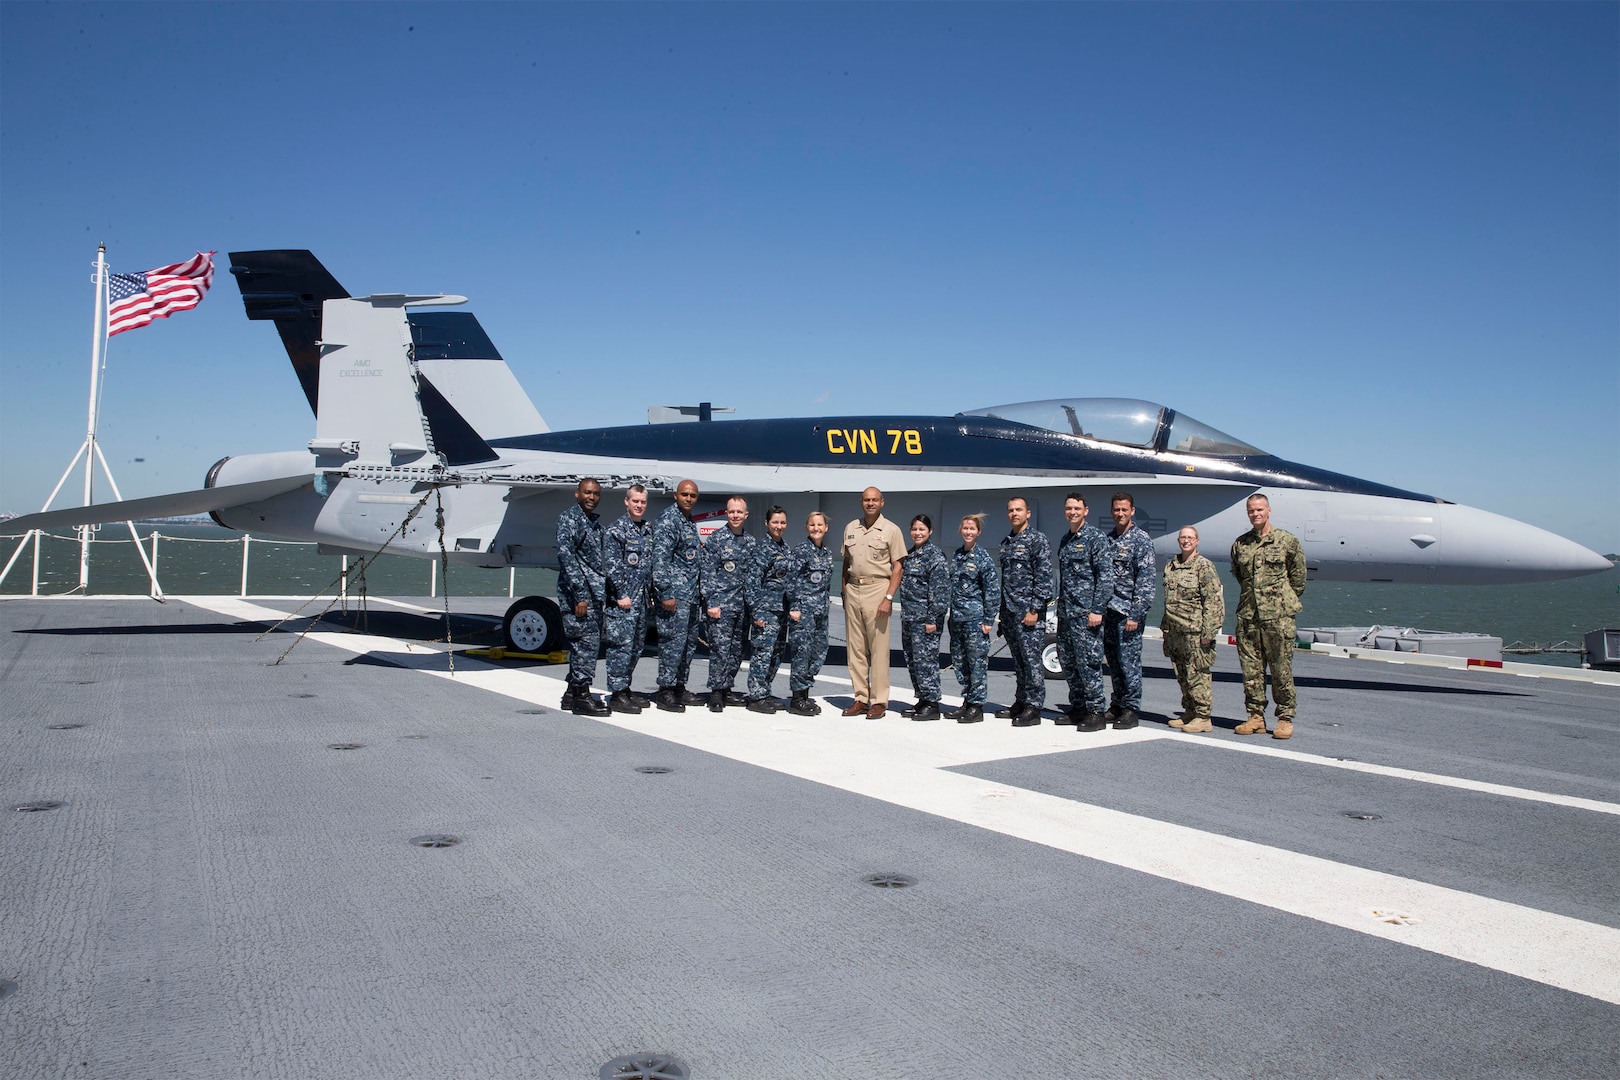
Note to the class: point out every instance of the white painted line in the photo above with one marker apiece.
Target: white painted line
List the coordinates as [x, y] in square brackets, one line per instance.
[904, 764]
[1439, 779]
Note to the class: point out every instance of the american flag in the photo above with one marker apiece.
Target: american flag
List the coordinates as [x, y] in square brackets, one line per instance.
[134, 300]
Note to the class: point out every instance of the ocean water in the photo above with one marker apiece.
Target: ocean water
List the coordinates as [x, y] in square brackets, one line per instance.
[205, 559]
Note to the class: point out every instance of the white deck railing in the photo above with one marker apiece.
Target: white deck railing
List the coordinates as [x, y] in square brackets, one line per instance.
[33, 537]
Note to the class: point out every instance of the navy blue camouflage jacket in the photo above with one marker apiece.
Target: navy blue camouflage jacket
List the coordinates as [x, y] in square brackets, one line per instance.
[628, 546]
[1026, 572]
[925, 590]
[1136, 576]
[677, 557]
[768, 580]
[976, 586]
[811, 579]
[1085, 573]
[582, 571]
[727, 559]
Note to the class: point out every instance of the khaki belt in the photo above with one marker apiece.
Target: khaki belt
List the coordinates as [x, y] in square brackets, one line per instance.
[868, 580]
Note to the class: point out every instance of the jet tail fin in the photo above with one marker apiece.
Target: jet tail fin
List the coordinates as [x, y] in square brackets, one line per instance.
[290, 288]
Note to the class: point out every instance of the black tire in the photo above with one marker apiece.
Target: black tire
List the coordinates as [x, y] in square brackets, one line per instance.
[534, 625]
[1050, 664]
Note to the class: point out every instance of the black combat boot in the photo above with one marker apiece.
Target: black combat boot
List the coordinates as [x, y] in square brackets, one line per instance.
[763, 705]
[970, 714]
[586, 703]
[926, 710]
[1092, 721]
[567, 702]
[717, 701]
[687, 697]
[801, 705]
[622, 702]
[1126, 720]
[1011, 710]
[1030, 717]
[668, 699]
[734, 698]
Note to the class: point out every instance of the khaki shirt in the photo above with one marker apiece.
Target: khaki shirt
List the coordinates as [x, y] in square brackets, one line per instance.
[872, 553]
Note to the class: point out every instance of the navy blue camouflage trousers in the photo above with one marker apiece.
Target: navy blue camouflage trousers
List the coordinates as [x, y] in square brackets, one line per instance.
[1080, 650]
[765, 648]
[677, 641]
[1123, 649]
[728, 637]
[584, 634]
[922, 658]
[626, 633]
[1025, 643]
[970, 656]
[807, 642]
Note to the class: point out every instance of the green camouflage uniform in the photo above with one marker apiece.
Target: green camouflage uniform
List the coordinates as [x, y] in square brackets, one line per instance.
[1194, 605]
[1271, 574]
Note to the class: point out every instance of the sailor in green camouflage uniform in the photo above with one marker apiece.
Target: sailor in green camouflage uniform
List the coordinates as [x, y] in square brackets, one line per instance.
[1270, 569]
[1194, 605]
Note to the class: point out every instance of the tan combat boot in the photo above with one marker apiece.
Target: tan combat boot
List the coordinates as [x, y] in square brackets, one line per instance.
[1254, 725]
[1284, 729]
[1201, 724]
[1180, 722]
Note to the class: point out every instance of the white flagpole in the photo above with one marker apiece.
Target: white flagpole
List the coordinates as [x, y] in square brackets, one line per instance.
[97, 337]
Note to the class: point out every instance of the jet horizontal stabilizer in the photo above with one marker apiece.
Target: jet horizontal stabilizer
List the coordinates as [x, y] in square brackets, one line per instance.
[180, 504]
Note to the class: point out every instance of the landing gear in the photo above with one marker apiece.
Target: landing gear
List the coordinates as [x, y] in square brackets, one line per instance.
[1050, 664]
[534, 625]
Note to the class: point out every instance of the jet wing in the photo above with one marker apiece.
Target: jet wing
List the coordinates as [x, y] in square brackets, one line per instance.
[179, 504]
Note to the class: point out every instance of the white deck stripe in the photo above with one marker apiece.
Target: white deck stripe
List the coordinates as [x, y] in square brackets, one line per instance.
[904, 764]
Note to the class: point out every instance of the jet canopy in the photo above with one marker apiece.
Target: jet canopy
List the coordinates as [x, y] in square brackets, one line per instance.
[1126, 421]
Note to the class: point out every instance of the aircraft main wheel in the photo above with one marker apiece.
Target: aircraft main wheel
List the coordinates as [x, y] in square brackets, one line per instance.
[534, 625]
[1049, 658]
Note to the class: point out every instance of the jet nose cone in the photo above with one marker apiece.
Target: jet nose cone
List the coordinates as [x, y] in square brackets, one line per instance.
[1482, 547]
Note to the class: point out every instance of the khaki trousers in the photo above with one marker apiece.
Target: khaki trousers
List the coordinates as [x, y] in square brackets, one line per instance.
[868, 636]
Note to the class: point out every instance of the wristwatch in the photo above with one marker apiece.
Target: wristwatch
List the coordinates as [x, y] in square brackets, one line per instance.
[888, 596]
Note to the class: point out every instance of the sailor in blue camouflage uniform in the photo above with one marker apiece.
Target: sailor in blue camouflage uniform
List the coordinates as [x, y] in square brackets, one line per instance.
[581, 590]
[728, 554]
[975, 599]
[627, 545]
[1136, 580]
[1026, 589]
[677, 569]
[807, 589]
[925, 597]
[1085, 585]
[767, 603]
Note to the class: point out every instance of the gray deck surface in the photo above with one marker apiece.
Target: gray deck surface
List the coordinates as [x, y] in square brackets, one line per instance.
[223, 896]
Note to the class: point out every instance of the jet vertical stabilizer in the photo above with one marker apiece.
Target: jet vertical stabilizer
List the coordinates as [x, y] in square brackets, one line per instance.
[378, 413]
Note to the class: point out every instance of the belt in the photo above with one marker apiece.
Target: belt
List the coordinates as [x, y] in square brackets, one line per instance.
[868, 580]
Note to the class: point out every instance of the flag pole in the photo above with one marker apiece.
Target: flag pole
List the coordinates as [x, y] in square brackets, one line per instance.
[98, 337]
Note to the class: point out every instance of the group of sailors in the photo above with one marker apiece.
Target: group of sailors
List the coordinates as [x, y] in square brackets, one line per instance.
[761, 598]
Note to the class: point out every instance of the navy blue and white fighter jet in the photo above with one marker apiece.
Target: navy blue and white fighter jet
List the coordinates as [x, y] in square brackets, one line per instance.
[416, 411]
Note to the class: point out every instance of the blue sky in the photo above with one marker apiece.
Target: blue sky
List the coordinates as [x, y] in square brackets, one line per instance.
[1382, 239]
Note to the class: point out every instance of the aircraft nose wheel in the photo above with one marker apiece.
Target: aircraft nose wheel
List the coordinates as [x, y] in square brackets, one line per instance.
[1050, 664]
[534, 625]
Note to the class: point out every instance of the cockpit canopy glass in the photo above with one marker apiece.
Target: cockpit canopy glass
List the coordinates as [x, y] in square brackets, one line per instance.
[1126, 421]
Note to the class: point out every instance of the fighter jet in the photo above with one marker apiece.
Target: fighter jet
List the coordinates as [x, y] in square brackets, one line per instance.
[426, 445]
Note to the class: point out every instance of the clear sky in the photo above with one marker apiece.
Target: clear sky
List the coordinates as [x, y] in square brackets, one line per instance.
[1382, 239]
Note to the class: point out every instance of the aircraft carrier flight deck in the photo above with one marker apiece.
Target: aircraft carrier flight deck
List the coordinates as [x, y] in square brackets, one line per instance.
[357, 864]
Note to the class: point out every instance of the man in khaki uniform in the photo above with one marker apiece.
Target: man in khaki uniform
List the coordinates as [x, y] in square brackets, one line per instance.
[874, 548]
[1270, 569]
[1194, 605]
